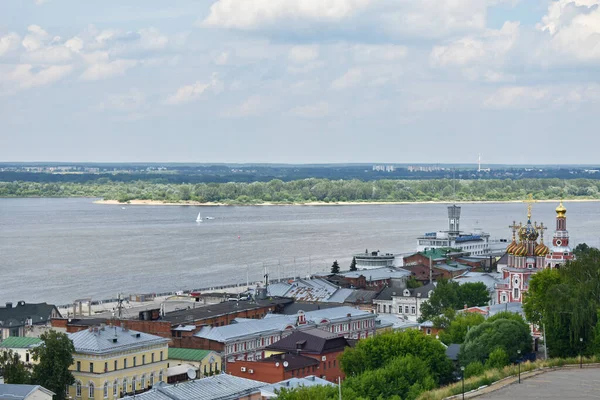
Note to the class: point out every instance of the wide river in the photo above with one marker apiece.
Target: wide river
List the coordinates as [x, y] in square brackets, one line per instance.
[58, 250]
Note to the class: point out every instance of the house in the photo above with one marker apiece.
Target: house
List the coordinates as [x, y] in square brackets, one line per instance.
[421, 273]
[21, 346]
[25, 392]
[271, 391]
[217, 387]
[205, 362]
[372, 279]
[275, 368]
[489, 279]
[404, 302]
[112, 361]
[24, 318]
[247, 339]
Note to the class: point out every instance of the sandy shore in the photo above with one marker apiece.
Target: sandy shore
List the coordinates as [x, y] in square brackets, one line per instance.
[321, 203]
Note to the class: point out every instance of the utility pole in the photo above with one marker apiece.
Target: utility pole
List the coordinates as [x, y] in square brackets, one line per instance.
[430, 270]
[340, 386]
[545, 342]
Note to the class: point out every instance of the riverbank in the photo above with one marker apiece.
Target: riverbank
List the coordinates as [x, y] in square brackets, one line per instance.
[323, 203]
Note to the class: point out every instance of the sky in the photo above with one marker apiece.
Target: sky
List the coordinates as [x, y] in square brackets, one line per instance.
[300, 81]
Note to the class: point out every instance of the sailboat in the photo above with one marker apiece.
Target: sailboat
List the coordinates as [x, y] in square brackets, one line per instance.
[199, 218]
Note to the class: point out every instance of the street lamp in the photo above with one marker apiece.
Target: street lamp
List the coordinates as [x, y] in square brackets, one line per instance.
[519, 362]
[580, 353]
[463, 381]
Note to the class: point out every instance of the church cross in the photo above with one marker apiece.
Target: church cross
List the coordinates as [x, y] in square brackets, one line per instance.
[529, 202]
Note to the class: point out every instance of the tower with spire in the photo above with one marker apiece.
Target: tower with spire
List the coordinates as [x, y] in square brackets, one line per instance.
[561, 251]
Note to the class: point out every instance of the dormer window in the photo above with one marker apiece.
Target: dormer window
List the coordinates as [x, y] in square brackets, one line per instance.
[406, 292]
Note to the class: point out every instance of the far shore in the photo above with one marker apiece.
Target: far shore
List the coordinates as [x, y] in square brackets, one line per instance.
[321, 203]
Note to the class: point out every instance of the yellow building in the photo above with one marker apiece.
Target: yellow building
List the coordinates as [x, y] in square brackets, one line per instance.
[205, 362]
[111, 361]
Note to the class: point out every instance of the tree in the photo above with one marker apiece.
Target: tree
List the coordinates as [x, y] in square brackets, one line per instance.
[452, 295]
[316, 393]
[508, 334]
[473, 369]
[335, 267]
[412, 283]
[376, 352]
[498, 359]
[458, 328]
[12, 369]
[353, 264]
[55, 355]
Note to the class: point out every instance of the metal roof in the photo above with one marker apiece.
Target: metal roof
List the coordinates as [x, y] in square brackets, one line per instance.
[269, 391]
[19, 342]
[112, 339]
[188, 354]
[377, 273]
[489, 279]
[218, 387]
[18, 314]
[20, 392]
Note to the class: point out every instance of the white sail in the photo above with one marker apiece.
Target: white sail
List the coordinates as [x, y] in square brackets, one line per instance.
[199, 218]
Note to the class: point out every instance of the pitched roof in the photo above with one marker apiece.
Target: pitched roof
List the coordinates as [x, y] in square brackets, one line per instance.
[17, 315]
[294, 361]
[313, 341]
[217, 387]
[377, 274]
[452, 266]
[19, 342]
[20, 392]
[112, 339]
[452, 351]
[188, 354]
[269, 391]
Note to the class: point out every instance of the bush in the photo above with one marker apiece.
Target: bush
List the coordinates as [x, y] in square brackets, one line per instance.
[498, 359]
[473, 369]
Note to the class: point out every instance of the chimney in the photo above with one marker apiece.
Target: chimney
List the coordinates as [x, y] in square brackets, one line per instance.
[8, 305]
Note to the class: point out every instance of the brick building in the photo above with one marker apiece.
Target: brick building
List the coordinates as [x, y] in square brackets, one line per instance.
[275, 368]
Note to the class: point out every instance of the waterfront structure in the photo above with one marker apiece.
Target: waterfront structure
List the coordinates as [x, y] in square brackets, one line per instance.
[405, 303]
[221, 387]
[25, 319]
[111, 362]
[374, 259]
[205, 362]
[476, 242]
[561, 251]
[247, 338]
[25, 392]
[526, 256]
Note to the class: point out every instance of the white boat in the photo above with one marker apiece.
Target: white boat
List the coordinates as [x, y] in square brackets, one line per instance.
[210, 217]
[199, 218]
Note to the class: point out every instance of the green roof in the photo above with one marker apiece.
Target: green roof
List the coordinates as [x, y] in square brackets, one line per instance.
[438, 253]
[19, 342]
[188, 354]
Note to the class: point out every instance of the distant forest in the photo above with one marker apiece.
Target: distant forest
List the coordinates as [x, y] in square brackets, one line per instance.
[307, 190]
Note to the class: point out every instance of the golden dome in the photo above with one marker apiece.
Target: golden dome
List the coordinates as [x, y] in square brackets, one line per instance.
[521, 250]
[511, 247]
[541, 250]
[561, 210]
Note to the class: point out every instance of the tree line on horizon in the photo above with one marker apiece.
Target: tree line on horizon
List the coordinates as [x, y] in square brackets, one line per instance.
[307, 190]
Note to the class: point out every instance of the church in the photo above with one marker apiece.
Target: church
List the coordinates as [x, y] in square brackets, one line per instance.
[526, 255]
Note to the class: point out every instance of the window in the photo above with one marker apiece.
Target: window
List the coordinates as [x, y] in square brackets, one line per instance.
[124, 385]
[413, 310]
[205, 373]
[152, 377]
[134, 361]
[91, 390]
[405, 309]
[105, 367]
[333, 363]
[78, 366]
[124, 363]
[26, 357]
[160, 375]
[133, 384]
[78, 389]
[105, 390]
[161, 357]
[115, 365]
[91, 367]
[152, 357]
[115, 388]
[143, 359]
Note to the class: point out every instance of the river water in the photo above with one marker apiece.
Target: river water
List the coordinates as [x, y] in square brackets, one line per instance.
[58, 250]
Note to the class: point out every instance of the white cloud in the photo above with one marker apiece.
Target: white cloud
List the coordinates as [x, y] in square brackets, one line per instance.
[369, 53]
[221, 58]
[152, 39]
[254, 14]
[303, 54]
[74, 44]
[351, 78]
[101, 70]
[252, 106]
[35, 39]
[553, 97]
[188, 93]
[572, 33]
[24, 76]
[318, 110]
[129, 101]
[8, 43]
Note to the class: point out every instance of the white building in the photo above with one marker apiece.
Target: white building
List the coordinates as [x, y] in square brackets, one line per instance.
[374, 259]
[403, 302]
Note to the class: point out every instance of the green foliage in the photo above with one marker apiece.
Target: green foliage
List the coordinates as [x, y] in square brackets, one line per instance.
[304, 190]
[55, 355]
[376, 352]
[317, 393]
[335, 267]
[508, 334]
[458, 328]
[12, 369]
[452, 295]
[412, 283]
[566, 301]
[498, 359]
[353, 264]
[473, 369]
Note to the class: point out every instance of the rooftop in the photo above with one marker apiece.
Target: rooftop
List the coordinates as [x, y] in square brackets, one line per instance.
[313, 341]
[21, 392]
[19, 342]
[217, 387]
[17, 315]
[377, 273]
[270, 391]
[112, 339]
[294, 361]
[188, 354]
